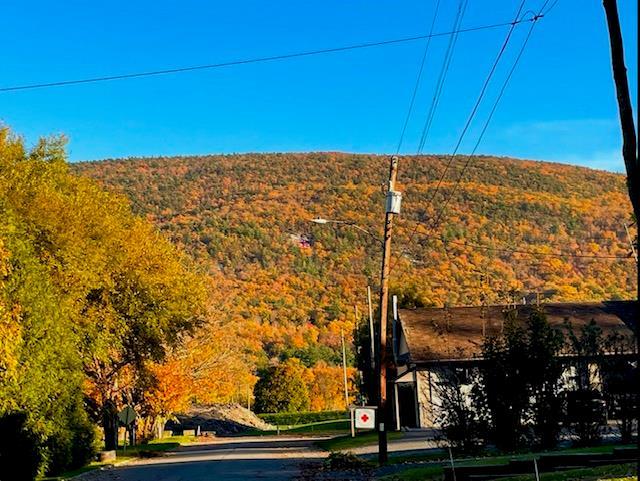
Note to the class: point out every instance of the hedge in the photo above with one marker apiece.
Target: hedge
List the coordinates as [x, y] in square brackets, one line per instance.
[305, 417]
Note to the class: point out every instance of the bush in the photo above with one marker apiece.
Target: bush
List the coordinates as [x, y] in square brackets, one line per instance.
[21, 450]
[282, 389]
[305, 417]
[73, 444]
[346, 462]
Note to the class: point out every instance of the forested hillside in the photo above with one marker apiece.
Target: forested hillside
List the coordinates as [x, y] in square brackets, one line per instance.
[290, 286]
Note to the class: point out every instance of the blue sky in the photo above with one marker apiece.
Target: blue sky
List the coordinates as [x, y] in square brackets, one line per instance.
[560, 104]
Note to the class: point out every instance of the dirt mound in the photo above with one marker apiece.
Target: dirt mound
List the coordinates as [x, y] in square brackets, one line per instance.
[221, 419]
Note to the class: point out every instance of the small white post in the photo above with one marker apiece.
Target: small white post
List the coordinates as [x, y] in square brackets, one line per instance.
[535, 466]
[344, 371]
[397, 405]
[372, 352]
[453, 468]
[352, 416]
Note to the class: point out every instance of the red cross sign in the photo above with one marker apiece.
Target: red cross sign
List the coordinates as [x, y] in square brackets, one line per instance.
[365, 418]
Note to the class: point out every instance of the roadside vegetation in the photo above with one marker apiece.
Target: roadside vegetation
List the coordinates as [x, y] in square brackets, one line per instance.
[92, 301]
[146, 450]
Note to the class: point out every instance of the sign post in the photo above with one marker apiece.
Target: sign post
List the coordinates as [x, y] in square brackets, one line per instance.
[127, 418]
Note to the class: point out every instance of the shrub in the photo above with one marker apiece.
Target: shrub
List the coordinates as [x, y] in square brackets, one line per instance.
[282, 389]
[21, 450]
[338, 461]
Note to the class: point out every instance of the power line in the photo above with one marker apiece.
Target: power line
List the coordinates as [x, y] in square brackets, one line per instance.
[419, 77]
[439, 86]
[446, 63]
[271, 58]
[558, 255]
[476, 106]
[484, 127]
[490, 116]
[474, 110]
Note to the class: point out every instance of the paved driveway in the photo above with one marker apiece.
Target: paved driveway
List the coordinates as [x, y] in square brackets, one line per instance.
[230, 459]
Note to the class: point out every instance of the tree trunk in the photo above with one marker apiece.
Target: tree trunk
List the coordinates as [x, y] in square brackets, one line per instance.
[629, 139]
[629, 152]
[110, 425]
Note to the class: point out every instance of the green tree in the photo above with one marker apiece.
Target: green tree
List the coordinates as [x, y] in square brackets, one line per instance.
[543, 372]
[281, 389]
[503, 394]
[584, 409]
[519, 382]
[90, 293]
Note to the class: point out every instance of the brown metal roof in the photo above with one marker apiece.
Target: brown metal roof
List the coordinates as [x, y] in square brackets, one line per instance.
[435, 334]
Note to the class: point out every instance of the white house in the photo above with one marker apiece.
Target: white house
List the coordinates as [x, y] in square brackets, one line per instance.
[430, 341]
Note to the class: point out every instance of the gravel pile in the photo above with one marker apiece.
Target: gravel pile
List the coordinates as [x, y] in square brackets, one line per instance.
[221, 419]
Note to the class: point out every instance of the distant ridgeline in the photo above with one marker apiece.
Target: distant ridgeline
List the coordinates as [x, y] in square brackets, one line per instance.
[512, 228]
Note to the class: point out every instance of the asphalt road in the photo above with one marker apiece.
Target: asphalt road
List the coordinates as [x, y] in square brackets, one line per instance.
[230, 459]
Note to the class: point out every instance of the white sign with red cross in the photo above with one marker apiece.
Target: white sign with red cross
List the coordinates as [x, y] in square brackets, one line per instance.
[365, 418]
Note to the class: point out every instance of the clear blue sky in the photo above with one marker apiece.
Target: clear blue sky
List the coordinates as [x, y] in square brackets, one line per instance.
[559, 106]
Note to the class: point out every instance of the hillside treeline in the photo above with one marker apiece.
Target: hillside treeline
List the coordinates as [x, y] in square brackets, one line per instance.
[510, 229]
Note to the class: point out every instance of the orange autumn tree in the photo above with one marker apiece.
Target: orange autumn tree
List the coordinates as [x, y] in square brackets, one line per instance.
[209, 367]
[326, 387]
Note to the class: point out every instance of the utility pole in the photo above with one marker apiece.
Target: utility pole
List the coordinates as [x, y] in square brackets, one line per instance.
[392, 207]
[630, 156]
[344, 371]
[372, 335]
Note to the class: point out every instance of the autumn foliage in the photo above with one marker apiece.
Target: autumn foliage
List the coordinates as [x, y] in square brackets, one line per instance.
[288, 287]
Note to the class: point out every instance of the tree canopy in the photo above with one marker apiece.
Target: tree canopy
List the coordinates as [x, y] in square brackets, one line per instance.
[91, 297]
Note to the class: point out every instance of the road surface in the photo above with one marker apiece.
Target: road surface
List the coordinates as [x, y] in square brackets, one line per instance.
[225, 459]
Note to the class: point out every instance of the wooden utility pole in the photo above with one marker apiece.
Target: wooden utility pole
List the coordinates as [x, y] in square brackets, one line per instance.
[392, 207]
[344, 371]
[629, 154]
[372, 335]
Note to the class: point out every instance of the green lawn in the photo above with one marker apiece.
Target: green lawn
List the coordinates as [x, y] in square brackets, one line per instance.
[619, 471]
[323, 427]
[435, 471]
[334, 426]
[494, 457]
[152, 448]
[75, 472]
[342, 443]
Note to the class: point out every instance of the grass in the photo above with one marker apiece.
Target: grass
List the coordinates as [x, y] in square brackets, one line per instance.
[334, 426]
[491, 458]
[342, 443]
[299, 418]
[75, 472]
[150, 449]
[324, 427]
[619, 471]
[435, 471]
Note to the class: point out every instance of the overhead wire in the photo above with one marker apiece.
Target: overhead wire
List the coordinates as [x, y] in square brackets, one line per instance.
[453, 39]
[517, 19]
[416, 87]
[558, 255]
[269, 58]
[469, 159]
